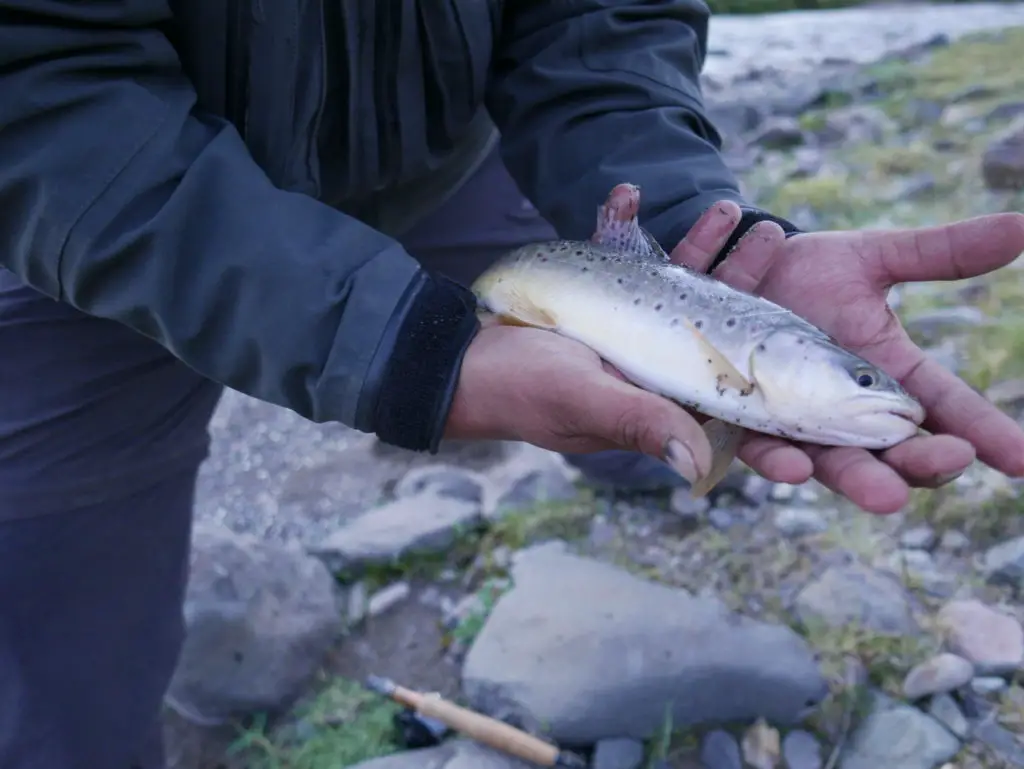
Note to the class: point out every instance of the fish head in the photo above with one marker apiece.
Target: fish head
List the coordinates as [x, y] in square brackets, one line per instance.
[822, 393]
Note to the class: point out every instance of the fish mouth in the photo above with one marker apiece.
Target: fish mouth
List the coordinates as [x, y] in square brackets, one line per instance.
[911, 412]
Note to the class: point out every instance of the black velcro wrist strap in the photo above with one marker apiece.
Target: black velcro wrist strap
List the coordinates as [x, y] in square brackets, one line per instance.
[422, 373]
[750, 217]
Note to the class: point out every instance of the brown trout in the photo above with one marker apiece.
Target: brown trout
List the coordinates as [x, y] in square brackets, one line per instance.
[745, 362]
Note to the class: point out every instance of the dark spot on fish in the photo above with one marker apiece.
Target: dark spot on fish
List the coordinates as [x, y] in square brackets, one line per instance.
[799, 429]
[579, 253]
[761, 348]
[654, 273]
[620, 281]
[584, 269]
[658, 306]
[799, 341]
[637, 300]
[543, 258]
[604, 258]
[698, 324]
[731, 322]
[682, 297]
[674, 322]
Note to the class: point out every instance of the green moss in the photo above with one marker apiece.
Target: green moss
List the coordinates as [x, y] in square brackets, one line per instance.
[487, 596]
[343, 725]
[824, 194]
[566, 519]
[949, 72]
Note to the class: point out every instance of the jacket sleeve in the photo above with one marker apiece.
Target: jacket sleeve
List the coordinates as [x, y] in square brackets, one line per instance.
[119, 198]
[592, 93]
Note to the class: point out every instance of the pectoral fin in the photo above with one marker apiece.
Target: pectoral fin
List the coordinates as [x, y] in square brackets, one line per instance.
[727, 375]
[522, 311]
[725, 442]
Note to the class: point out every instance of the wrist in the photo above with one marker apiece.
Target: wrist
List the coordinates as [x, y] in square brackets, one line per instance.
[424, 359]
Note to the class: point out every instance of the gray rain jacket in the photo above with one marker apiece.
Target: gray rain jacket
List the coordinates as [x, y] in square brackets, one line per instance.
[227, 176]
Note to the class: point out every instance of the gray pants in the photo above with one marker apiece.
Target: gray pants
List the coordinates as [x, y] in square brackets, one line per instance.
[101, 436]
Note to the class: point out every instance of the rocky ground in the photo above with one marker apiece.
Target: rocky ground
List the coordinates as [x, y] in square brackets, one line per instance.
[774, 626]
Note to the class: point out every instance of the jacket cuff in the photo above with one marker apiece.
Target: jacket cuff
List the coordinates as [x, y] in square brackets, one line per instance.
[750, 217]
[422, 371]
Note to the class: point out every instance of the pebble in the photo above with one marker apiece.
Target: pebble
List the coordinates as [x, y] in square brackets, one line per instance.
[618, 754]
[566, 617]
[761, 746]
[356, 602]
[918, 538]
[444, 480]
[991, 640]
[721, 518]
[855, 593]
[1003, 564]
[896, 735]
[987, 685]
[943, 708]
[999, 740]
[799, 521]
[419, 524]
[683, 504]
[801, 750]
[719, 750]
[941, 673]
[954, 541]
[546, 484]
[260, 618]
[387, 598]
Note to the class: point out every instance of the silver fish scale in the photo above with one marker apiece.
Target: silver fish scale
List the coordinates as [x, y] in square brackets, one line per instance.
[716, 309]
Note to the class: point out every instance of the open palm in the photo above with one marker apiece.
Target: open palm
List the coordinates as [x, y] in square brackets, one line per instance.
[839, 281]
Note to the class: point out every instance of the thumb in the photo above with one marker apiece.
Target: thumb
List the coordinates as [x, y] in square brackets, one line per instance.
[637, 420]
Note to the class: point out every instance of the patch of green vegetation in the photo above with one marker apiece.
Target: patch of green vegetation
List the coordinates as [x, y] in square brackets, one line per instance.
[563, 519]
[985, 523]
[670, 744]
[824, 193]
[487, 596]
[884, 659]
[948, 72]
[343, 725]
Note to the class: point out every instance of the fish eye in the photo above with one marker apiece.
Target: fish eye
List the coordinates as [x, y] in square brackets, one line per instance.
[864, 378]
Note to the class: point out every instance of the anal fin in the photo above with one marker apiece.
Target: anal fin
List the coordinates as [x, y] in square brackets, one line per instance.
[725, 442]
[727, 375]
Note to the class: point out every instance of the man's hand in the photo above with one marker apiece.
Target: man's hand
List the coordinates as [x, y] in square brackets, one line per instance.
[839, 281]
[534, 386]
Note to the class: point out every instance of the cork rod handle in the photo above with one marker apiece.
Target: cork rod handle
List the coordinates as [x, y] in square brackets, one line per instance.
[481, 728]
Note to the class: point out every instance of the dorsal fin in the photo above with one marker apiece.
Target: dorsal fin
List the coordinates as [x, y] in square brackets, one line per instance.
[618, 225]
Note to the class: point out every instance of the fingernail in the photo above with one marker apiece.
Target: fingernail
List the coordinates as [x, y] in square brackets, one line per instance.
[942, 480]
[679, 456]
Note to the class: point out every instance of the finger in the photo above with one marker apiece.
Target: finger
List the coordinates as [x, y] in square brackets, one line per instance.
[776, 459]
[860, 477]
[954, 408]
[749, 262]
[930, 461]
[948, 252]
[707, 237]
[636, 420]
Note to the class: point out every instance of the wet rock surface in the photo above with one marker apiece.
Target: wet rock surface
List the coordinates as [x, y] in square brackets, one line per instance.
[649, 630]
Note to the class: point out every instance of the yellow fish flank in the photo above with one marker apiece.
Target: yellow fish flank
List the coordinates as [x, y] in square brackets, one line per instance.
[740, 359]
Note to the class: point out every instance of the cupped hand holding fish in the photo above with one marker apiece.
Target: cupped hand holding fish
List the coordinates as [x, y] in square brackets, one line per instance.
[529, 385]
[839, 281]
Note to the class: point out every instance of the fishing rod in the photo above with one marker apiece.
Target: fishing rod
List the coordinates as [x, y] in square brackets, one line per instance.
[478, 727]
